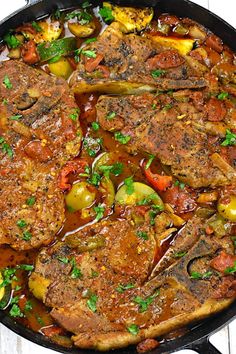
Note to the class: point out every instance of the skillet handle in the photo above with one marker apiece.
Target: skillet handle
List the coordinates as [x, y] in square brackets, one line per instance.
[203, 346]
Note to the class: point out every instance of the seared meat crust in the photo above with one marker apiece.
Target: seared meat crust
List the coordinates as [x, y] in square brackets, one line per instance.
[119, 275]
[129, 61]
[37, 138]
[175, 127]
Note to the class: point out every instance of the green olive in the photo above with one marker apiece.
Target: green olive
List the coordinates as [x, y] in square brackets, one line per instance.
[142, 195]
[80, 196]
[228, 211]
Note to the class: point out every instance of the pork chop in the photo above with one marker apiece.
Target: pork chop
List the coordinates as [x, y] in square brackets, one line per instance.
[37, 137]
[126, 63]
[176, 127]
[98, 282]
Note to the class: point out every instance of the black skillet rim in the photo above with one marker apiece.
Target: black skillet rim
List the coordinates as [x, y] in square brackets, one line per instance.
[197, 337]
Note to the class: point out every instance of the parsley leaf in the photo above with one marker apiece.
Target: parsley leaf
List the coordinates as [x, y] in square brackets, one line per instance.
[180, 254]
[142, 234]
[15, 311]
[95, 126]
[27, 236]
[144, 303]
[28, 306]
[230, 138]
[111, 115]
[99, 210]
[31, 201]
[21, 223]
[26, 267]
[83, 17]
[89, 53]
[11, 41]
[116, 169]
[198, 276]
[157, 73]
[122, 287]
[231, 270]
[95, 179]
[36, 26]
[92, 302]
[106, 14]
[6, 148]
[150, 160]
[75, 114]
[7, 83]
[223, 95]
[90, 40]
[76, 272]
[16, 117]
[121, 138]
[129, 183]
[64, 260]
[133, 329]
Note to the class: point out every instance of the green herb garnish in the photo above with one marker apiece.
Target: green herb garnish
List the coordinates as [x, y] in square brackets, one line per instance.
[223, 95]
[7, 83]
[129, 183]
[106, 14]
[157, 73]
[16, 117]
[31, 201]
[28, 306]
[36, 26]
[198, 276]
[111, 115]
[133, 329]
[95, 126]
[90, 40]
[150, 160]
[142, 234]
[21, 223]
[122, 287]
[92, 302]
[230, 138]
[180, 254]
[75, 114]
[15, 311]
[11, 41]
[231, 270]
[99, 210]
[89, 53]
[64, 260]
[76, 272]
[116, 169]
[144, 303]
[95, 179]
[27, 236]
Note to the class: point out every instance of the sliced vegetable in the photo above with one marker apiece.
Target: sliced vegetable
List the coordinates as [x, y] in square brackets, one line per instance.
[80, 196]
[108, 190]
[47, 31]
[57, 48]
[227, 208]
[219, 225]
[61, 68]
[11, 40]
[184, 46]
[131, 19]
[141, 194]
[159, 182]
[85, 245]
[81, 31]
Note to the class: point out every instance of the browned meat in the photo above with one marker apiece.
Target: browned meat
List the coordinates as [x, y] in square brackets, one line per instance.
[175, 127]
[37, 137]
[124, 64]
[103, 295]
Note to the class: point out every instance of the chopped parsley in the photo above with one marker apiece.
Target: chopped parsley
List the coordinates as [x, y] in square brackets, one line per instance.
[64, 260]
[99, 210]
[180, 254]
[95, 126]
[122, 287]
[95, 179]
[133, 329]
[76, 272]
[92, 146]
[7, 83]
[106, 14]
[90, 40]
[198, 276]
[111, 115]
[26, 267]
[179, 184]
[150, 160]
[11, 41]
[27, 236]
[21, 223]
[31, 201]
[40, 320]
[144, 303]
[6, 149]
[129, 183]
[153, 213]
[149, 199]
[15, 311]
[16, 117]
[5, 101]
[223, 95]
[230, 138]
[231, 270]
[157, 73]
[167, 107]
[36, 26]
[121, 138]
[92, 303]
[75, 114]
[94, 274]
[89, 53]
[83, 17]
[116, 169]
[142, 234]
[28, 306]
[154, 106]
[8, 275]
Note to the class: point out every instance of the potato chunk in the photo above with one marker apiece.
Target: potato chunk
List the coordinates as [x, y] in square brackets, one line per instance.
[184, 46]
[132, 19]
[38, 285]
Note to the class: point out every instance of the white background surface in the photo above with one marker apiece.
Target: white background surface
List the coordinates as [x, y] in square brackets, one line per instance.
[225, 340]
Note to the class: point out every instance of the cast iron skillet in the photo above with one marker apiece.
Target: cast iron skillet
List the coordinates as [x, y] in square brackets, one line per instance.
[198, 336]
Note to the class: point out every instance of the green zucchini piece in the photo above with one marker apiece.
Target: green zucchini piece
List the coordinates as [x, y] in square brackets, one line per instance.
[57, 48]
